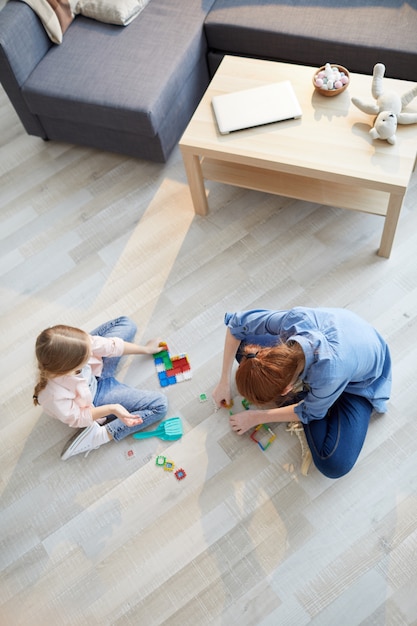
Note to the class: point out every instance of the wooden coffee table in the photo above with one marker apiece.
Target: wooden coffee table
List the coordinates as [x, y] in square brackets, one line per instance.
[327, 157]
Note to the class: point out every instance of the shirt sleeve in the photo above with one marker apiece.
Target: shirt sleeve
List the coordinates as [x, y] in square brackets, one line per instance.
[104, 347]
[325, 381]
[316, 403]
[261, 323]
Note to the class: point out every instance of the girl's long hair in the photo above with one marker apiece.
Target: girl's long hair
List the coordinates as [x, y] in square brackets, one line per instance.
[264, 373]
[59, 350]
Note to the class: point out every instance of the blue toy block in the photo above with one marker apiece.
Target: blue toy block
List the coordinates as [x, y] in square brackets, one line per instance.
[163, 379]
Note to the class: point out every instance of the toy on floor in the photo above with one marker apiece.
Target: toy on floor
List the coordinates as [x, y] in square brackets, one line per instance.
[169, 430]
[171, 369]
[180, 474]
[262, 438]
[388, 107]
[245, 405]
[169, 466]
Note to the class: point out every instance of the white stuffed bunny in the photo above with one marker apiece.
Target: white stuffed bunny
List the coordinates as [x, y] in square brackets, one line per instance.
[388, 107]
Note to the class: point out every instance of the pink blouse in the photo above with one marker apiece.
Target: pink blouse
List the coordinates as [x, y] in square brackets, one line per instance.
[68, 398]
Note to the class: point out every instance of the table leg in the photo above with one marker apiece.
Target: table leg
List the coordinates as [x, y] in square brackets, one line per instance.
[390, 224]
[192, 165]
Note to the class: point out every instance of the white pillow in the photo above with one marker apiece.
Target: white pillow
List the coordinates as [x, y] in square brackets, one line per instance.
[120, 12]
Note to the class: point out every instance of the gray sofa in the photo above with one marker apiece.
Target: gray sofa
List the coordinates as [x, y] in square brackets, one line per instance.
[133, 89]
[354, 33]
[126, 89]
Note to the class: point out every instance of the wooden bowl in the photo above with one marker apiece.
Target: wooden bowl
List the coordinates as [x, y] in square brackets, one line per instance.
[331, 92]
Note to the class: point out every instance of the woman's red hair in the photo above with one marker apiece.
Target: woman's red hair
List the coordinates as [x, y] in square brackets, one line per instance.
[264, 373]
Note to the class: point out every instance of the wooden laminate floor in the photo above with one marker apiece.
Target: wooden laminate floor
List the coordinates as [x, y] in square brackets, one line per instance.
[244, 539]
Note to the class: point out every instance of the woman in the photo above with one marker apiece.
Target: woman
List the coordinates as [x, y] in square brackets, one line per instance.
[336, 365]
[77, 384]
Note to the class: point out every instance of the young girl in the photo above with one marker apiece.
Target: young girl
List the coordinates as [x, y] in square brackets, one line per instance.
[77, 384]
[335, 364]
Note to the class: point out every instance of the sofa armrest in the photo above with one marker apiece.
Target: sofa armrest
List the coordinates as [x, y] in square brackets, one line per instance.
[23, 43]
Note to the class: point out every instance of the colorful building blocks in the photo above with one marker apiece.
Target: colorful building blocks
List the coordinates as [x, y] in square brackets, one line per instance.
[245, 404]
[180, 474]
[169, 466]
[263, 436]
[171, 369]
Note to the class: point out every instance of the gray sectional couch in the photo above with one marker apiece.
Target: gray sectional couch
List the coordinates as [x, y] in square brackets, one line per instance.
[133, 89]
[356, 34]
[129, 89]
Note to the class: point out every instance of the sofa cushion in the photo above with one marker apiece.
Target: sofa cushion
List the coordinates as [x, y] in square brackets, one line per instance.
[356, 34]
[135, 81]
[55, 15]
[120, 12]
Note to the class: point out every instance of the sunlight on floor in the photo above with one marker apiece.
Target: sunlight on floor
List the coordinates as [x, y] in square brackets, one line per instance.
[150, 254]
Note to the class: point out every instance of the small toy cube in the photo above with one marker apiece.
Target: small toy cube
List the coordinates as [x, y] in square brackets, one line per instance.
[180, 474]
[169, 466]
[163, 379]
[160, 460]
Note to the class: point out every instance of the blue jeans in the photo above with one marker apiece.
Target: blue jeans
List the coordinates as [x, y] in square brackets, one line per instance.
[150, 405]
[336, 440]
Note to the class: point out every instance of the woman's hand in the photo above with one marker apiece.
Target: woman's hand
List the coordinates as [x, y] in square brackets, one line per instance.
[242, 422]
[126, 417]
[222, 395]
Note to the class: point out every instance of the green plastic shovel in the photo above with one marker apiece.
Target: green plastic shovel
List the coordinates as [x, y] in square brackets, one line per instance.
[170, 430]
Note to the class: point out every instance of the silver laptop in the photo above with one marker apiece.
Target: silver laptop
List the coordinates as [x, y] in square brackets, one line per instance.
[255, 107]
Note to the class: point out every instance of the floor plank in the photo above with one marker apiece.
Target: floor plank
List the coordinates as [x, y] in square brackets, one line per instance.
[244, 538]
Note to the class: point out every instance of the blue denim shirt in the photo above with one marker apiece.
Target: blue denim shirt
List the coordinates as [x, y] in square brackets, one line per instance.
[342, 353]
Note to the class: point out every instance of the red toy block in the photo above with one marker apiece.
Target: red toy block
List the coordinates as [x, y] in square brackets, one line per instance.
[180, 474]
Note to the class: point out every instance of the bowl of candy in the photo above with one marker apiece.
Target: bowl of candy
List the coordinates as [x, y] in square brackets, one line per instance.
[330, 80]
